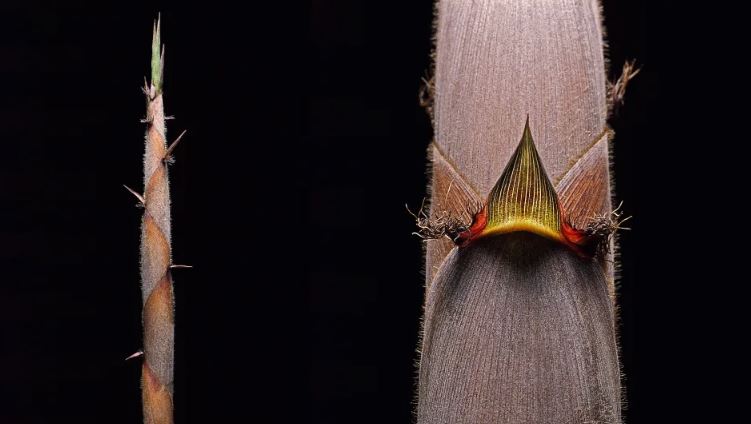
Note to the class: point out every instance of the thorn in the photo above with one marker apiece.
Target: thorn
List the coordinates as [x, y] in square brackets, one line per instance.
[140, 198]
[168, 155]
[169, 117]
[175, 266]
[135, 355]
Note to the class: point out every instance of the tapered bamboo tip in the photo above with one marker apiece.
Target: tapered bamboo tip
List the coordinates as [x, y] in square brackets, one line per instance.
[157, 57]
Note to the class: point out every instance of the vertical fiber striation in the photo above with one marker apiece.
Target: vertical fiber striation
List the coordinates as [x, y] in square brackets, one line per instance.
[498, 61]
[519, 328]
[156, 257]
[523, 198]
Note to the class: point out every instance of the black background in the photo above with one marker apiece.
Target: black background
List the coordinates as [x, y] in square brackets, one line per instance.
[305, 140]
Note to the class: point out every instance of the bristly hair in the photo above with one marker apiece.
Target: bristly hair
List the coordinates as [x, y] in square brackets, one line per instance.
[603, 227]
[441, 224]
[617, 89]
[427, 96]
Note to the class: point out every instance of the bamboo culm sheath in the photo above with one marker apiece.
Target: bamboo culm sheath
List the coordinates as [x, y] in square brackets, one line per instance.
[519, 324]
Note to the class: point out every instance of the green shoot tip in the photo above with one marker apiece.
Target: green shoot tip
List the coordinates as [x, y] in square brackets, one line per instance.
[157, 57]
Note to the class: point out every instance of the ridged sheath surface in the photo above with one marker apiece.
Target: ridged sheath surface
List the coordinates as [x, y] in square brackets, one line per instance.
[496, 62]
[518, 328]
[156, 279]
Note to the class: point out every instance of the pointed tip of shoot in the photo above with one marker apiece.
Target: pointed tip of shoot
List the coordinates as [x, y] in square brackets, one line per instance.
[527, 134]
[523, 199]
[157, 57]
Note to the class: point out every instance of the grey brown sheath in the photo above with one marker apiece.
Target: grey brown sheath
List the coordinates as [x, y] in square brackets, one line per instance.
[518, 327]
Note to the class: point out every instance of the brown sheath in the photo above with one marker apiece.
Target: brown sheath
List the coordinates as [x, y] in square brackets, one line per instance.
[156, 257]
[519, 329]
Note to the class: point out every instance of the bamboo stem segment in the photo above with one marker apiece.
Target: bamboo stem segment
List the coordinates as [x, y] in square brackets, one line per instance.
[156, 257]
[519, 328]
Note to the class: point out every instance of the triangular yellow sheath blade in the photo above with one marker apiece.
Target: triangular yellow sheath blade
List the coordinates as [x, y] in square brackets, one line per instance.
[523, 199]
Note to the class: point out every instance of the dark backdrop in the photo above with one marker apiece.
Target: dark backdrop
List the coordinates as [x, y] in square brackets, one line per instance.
[305, 141]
